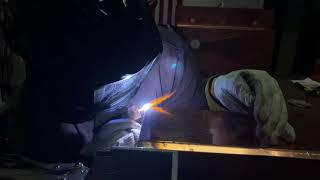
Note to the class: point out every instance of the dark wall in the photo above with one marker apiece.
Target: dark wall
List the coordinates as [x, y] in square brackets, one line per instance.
[280, 9]
[309, 41]
[297, 41]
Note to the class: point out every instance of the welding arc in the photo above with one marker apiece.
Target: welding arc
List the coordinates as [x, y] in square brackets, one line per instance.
[159, 100]
[160, 110]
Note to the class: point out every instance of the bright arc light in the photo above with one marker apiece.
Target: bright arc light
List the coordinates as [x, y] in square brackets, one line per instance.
[173, 66]
[145, 107]
[126, 76]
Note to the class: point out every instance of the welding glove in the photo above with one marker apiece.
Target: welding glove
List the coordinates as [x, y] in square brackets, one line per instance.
[256, 93]
[119, 132]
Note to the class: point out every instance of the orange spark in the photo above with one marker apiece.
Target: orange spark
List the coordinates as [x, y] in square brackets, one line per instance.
[153, 104]
[160, 99]
[160, 110]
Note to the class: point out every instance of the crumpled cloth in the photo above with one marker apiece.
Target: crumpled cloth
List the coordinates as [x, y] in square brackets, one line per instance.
[253, 92]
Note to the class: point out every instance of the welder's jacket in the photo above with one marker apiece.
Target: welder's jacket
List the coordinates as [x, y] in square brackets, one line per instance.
[173, 71]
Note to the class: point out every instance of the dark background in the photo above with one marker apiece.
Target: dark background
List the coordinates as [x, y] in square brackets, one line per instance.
[297, 41]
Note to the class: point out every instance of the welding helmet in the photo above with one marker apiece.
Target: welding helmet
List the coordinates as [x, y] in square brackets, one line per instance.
[127, 29]
[119, 37]
[104, 39]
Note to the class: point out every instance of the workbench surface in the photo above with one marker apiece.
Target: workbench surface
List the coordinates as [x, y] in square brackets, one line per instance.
[306, 122]
[232, 129]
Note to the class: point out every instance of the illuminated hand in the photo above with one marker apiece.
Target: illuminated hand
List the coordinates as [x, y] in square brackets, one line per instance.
[134, 113]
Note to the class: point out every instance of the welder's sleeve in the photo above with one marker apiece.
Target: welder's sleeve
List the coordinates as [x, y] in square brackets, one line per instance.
[174, 72]
[256, 93]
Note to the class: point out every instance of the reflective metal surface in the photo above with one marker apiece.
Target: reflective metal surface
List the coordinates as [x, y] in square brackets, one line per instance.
[211, 132]
[171, 146]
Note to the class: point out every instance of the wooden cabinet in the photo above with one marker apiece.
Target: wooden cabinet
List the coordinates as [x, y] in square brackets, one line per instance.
[225, 39]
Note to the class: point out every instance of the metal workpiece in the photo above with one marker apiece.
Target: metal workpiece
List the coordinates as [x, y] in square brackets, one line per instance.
[268, 152]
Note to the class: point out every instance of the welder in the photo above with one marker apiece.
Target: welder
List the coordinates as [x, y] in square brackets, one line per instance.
[70, 49]
[91, 64]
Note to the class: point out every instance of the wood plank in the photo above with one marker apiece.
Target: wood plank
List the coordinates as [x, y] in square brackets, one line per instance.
[222, 51]
[224, 16]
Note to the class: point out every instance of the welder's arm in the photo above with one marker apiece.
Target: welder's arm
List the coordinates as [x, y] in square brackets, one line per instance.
[257, 93]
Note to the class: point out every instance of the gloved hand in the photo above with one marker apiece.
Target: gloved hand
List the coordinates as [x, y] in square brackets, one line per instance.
[257, 93]
[118, 132]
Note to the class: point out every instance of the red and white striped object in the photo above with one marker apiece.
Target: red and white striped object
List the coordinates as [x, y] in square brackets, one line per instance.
[165, 12]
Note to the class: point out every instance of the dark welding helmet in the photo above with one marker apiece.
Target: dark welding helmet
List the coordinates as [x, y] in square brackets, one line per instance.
[122, 39]
[109, 40]
[126, 39]
[103, 39]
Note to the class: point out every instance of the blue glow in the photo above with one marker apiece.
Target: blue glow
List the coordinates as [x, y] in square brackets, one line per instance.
[173, 66]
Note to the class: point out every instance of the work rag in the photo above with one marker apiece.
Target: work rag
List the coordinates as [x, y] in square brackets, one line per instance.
[253, 92]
